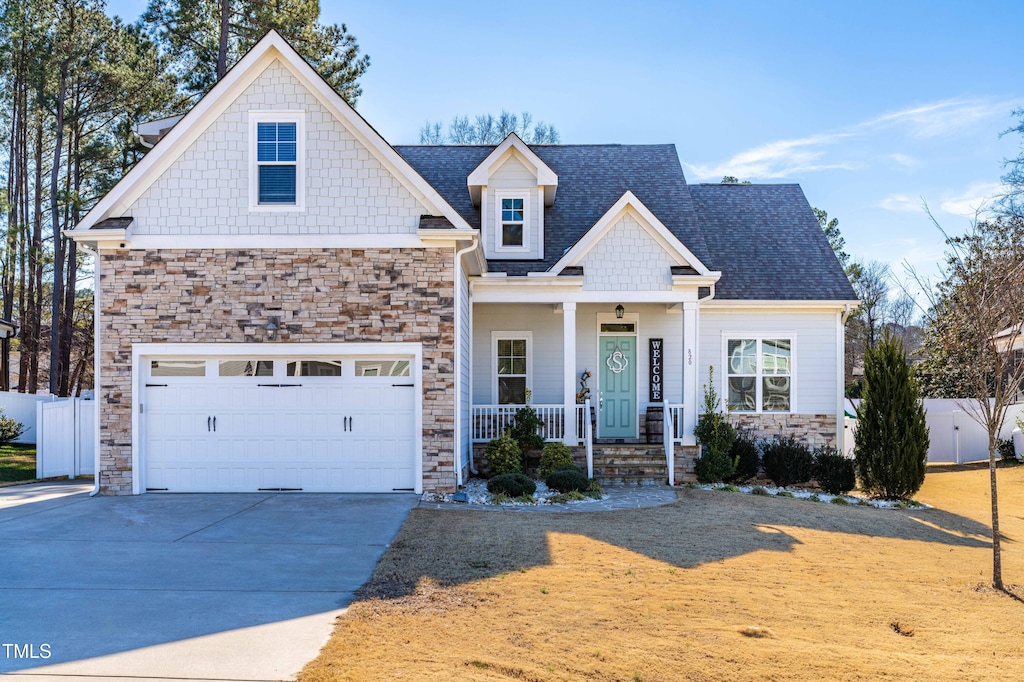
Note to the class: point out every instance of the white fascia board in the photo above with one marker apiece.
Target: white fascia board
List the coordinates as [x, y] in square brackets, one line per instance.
[97, 235]
[654, 227]
[279, 241]
[445, 235]
[228, 89]
[788, 305]
[481, 175]
[686, 281]
[571, 292]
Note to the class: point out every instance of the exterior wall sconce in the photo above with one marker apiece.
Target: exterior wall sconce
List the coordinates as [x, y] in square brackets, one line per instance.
[273, 326]
[619, 311]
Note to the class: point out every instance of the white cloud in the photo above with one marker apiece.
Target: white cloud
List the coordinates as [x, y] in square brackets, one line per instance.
[976, 198]
[904, 160]
[940, 118]
[774, 160]
[786, 158]
[903, 203]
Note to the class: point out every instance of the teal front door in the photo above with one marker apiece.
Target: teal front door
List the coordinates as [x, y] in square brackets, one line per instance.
[617, 400]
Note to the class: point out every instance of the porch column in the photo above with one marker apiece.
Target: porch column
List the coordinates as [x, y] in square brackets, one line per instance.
[691, 378]
[569, 370]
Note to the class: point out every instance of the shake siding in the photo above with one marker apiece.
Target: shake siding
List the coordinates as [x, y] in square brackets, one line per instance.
[814, 360]
[627, 259]
[513, 176]
[347, 190]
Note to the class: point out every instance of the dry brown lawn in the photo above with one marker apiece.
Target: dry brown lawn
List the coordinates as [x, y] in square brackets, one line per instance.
[717, 586]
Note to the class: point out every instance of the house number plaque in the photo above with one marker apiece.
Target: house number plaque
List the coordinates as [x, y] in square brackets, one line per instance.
[657, 354]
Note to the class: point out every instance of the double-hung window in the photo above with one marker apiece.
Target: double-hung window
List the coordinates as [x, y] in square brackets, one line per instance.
[759, 374]
[512, 366]
[512, 221]
[277, 153]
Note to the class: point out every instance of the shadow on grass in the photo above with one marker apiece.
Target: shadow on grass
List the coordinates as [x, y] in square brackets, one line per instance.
[457, 546]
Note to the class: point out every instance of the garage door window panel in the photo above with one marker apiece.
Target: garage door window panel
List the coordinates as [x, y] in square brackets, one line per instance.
[384, 367]
[246, 368]
[314, 368]
[177, 368]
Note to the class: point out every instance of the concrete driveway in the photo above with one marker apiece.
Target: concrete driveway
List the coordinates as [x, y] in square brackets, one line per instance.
[221, 587]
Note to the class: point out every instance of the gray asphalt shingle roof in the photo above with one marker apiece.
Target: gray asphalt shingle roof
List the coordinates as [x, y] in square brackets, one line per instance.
[764, 238]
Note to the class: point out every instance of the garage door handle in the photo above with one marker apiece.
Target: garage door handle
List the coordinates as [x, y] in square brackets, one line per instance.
[208, 423]
[215, 425]
[409, 385]
[280, 385]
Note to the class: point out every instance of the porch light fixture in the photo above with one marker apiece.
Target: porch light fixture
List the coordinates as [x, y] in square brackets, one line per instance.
[619, 312]
[273, 326]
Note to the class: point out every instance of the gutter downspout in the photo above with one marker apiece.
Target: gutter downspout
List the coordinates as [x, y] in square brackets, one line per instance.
[457, 364]
[841, 378]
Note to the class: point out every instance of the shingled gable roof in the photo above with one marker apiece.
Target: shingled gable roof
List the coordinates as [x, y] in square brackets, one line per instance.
[763, 238]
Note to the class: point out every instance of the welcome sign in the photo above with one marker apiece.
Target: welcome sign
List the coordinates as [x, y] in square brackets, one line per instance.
[657, 353]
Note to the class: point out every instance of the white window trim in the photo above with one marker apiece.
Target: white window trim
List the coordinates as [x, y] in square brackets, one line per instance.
[299, 119]
[495, 337]
[527, 226]
[759, 337]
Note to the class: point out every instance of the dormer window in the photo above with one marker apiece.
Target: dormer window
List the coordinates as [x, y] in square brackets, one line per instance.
[512, 221]
[277, 155]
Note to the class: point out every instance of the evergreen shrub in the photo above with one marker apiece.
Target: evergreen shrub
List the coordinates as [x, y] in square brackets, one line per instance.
[836, 474]
[513, 485]
[787, 461]
[555, 456]
[891, 447]
[504, 456]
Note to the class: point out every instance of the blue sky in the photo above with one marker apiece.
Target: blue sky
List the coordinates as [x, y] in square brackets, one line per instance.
[873, 107]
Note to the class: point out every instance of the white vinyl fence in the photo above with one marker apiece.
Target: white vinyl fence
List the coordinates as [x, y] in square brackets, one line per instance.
[953, 434]
[65, 431]
[22, 406]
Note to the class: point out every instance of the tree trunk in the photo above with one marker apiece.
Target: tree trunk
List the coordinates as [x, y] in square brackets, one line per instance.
[997, 553]
[57, 290]
[222, 47]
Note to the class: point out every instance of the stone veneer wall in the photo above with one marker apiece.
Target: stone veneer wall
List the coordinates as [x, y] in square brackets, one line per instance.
[321, 295]
[814, 430]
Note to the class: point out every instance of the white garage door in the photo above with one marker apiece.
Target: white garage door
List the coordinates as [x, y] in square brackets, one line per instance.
[249, 424]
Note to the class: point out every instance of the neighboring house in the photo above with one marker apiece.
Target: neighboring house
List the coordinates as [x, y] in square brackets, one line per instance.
[286, 301]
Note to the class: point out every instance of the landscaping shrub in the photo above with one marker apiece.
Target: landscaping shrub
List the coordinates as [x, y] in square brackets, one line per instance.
[554, 457]
[748, 459]
[10, 428]
[835, 474]
[525, 430]
[504, 456]
[568, 480]
[716, 436]
[1005, 449]
[787, 461]
[513, 485]
[891, 447]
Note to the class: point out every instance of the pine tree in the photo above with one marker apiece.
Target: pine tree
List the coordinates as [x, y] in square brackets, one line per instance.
[892, 438]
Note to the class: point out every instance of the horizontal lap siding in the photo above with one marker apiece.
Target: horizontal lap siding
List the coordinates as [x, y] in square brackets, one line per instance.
[814, 360]
[546, 326]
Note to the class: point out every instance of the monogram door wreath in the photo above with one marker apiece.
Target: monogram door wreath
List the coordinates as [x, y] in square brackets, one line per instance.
[616, 361]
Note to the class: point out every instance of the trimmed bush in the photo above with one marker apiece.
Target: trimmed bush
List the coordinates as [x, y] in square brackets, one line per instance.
[526, 430]
[504, 456]
[1004, 447]
[554, 457]
[837, 475]
[513, 485]
[10, 428]
[892, 437]
[748, 459]
[568, 480]
[787, 461]
[716, 436]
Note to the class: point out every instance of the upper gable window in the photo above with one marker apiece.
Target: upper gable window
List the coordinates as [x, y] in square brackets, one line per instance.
[512, 221]
[276, 181]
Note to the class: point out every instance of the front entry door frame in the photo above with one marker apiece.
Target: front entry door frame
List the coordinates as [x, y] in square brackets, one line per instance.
[628, 318]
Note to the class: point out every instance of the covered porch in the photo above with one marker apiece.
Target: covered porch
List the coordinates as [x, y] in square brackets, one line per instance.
[617, 372]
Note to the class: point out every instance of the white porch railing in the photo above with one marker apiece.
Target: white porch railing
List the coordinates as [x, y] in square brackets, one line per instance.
[585, 430]
[491, 421]
[672, 435]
